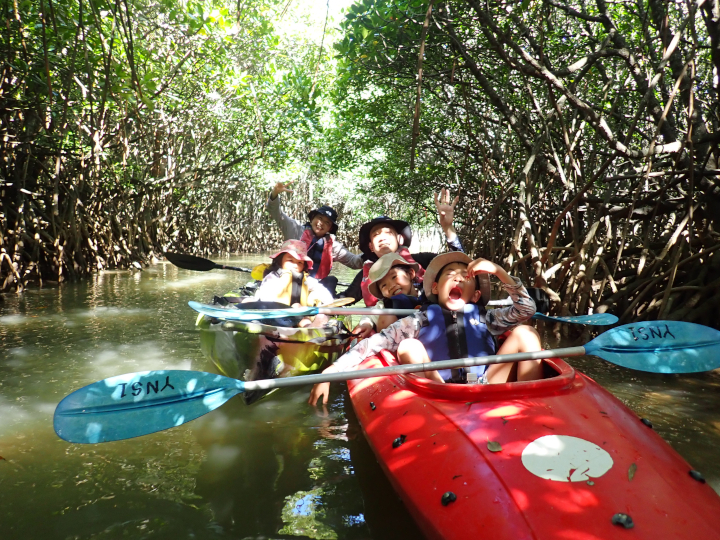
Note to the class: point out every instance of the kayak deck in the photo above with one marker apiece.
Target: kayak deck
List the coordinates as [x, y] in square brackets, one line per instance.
[554, 458]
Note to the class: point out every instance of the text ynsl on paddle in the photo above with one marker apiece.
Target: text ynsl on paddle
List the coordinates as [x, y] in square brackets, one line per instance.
[650, 332]
[138, 388]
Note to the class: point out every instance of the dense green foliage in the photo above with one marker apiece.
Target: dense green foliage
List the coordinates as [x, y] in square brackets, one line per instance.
[581, 135]
[130, 126]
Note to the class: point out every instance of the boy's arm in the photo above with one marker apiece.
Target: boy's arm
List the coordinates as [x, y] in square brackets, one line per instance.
[388, 339]
[341, 254]
[290, 228]
[455, 245]
[523, 308]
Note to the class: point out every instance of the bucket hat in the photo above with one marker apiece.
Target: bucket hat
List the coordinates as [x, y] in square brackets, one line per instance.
[380, 269]
[440, 262]
[401, 227]
[327, 212]
[297, 249]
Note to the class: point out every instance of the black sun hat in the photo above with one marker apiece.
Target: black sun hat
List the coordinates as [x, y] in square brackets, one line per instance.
[402, 227]
[327, 212]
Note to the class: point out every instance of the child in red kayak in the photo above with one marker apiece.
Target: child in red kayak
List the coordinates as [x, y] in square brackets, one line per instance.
[392, 280]
[451, 287]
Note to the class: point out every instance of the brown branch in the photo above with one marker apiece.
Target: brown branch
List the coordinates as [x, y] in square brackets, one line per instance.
[421, 54]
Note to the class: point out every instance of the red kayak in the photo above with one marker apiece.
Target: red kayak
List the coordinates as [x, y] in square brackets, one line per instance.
[558, 458]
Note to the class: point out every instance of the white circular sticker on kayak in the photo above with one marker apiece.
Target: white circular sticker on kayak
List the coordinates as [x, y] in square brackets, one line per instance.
[565, 459]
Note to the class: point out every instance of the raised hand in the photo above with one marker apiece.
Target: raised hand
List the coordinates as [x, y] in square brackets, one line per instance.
[281, 187]
[483, 266]
[445, 209]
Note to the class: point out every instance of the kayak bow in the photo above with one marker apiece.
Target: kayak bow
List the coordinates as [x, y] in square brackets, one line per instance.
[548, 459]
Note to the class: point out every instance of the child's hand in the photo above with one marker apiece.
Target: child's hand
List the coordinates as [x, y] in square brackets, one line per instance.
[363, 331]
[483, 266]
[321, 392]
[304, 322]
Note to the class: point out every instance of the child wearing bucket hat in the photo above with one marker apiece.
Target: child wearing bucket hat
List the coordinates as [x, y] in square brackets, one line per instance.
[455, 325]
[392, 279]
[286, 280]
[318, 234]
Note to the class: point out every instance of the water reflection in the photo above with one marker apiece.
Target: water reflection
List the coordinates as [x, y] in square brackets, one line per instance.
[274, 470]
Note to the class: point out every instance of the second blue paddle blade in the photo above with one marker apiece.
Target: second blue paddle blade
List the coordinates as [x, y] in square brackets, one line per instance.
[137, 404]
[596, 319]
[234, 314]
[660, 347]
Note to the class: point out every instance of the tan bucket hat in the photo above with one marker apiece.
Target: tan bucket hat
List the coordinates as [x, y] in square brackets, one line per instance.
[380, 269]
[440, 262]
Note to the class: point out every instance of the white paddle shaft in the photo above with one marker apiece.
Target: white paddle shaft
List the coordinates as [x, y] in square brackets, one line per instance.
[267, 384]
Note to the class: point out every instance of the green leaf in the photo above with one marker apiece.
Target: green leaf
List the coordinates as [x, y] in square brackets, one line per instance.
[494, 446]
[631, 472]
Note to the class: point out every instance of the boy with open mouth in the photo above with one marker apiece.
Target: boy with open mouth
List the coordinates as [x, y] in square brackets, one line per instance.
[455, 325]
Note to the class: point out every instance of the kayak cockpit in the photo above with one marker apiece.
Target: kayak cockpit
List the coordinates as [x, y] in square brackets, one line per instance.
[558, 376]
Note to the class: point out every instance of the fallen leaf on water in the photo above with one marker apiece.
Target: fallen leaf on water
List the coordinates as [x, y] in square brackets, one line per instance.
[631, 472]
[494, 446]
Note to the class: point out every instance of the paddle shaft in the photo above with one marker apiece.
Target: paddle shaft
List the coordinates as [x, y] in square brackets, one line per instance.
[269, 384]
[200, 264]
[303, 312]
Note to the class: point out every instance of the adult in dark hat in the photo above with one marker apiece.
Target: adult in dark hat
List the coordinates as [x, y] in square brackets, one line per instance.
[318, 234]
[384, 235]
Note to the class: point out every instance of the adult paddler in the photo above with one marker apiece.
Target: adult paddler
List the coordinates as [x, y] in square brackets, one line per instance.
[318, 234]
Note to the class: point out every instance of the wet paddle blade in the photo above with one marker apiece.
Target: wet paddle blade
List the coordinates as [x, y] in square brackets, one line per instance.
[190, 262]
[596, 319]
[137, 404]
[234, 314]
[660, 347]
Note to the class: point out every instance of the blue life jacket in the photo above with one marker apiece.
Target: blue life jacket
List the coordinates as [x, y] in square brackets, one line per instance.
[457, 334]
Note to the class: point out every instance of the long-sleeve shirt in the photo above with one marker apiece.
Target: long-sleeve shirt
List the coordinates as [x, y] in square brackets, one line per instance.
[292, 230]
[498, 321]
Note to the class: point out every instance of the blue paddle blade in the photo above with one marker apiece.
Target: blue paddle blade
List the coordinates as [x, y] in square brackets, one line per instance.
[596, 319]
[660, 347]
[234, 314]
[136, 404]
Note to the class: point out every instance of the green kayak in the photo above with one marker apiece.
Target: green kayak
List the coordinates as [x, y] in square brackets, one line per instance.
[262, 350]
